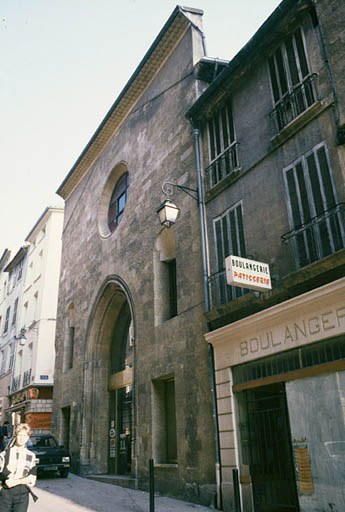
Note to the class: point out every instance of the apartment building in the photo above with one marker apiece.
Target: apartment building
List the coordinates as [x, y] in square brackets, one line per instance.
[272, 143]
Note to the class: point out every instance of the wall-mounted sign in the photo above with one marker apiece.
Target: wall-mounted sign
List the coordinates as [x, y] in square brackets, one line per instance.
[247, 273]
[33, 393]
[18, 398]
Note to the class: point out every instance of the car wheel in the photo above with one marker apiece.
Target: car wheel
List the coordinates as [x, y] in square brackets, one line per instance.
[64, 473]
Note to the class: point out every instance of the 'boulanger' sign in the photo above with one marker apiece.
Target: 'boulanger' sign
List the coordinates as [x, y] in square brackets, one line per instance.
[247, 273]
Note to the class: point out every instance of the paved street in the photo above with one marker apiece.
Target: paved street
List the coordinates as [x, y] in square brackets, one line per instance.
[76, 494]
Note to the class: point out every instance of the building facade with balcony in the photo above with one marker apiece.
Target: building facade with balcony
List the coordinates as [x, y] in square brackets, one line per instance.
[131, 374]
[32, 377]
[12, 279]
[272, 138]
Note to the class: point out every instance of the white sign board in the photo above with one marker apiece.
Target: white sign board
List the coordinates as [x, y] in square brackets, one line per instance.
[247, 273]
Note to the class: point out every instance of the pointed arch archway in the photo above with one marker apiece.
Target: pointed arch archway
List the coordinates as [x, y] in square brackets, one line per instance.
[107, 437]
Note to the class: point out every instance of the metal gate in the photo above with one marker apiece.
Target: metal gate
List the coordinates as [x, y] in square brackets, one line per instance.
[270, 451]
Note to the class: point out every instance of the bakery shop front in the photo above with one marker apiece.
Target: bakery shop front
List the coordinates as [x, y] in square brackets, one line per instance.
[280, 379]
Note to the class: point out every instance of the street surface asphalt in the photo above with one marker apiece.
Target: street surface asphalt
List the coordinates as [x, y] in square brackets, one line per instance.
[76, 494]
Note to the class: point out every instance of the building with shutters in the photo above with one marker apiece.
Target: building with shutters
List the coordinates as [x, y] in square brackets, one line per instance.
[12, 279]
[273, 152]
[28, 332]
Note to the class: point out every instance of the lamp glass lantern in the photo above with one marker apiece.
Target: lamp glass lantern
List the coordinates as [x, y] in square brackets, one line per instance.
[168, 213]
[21, 338]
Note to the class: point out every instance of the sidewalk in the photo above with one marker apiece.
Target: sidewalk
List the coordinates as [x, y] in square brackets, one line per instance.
[77, 494]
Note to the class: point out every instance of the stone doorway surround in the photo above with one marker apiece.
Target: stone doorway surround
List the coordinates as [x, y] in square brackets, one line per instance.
[96, 374]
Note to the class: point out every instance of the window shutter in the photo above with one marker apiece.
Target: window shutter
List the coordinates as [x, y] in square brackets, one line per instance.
[230, 223]
[326, 177]
[219, 245]
[311, 194]
[301, 53]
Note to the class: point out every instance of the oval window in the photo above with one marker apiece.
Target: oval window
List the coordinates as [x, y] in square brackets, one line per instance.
[118, 201]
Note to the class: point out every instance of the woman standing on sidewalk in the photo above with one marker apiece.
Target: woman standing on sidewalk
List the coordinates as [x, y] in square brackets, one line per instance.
[17, 472]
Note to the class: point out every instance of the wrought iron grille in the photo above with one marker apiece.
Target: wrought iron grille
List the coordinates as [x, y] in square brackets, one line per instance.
[295, 102]
[221, 292]
[223, 166]
[15, 384]
[271, 462]
[323, 235]
[296, 359]
[26, 377]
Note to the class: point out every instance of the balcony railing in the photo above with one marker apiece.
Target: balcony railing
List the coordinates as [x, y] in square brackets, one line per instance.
[295, 102]
[26, 377]
[323, 235]
[223, 166]
[221, 292]
[15, 384]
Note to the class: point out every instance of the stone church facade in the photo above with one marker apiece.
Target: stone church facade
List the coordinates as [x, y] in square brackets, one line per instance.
[132, 365]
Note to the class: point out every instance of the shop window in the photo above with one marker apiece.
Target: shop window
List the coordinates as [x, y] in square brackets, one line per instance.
[164, 421]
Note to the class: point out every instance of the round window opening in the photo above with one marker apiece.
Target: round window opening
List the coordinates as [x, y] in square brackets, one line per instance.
[118, 201]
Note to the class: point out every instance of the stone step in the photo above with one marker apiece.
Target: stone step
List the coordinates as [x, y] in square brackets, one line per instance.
[121, 480]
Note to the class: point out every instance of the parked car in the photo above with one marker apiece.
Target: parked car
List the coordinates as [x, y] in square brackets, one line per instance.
[50, 455]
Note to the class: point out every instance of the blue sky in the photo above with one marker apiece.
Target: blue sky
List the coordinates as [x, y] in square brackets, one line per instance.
[63, 63]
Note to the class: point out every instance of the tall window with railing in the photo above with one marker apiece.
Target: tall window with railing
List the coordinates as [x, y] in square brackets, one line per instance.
[14, 316]
[223, 154]
[316, 219]
[229, 239]
[7, 319]
[293, 84]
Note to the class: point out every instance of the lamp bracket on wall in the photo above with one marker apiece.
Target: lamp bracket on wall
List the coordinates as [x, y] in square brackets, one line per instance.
[168, 190]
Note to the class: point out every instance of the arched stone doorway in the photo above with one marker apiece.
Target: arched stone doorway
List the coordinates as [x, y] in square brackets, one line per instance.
[107, 409]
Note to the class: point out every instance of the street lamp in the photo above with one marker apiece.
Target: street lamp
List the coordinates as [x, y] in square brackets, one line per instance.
[168, 211]
[21, 338]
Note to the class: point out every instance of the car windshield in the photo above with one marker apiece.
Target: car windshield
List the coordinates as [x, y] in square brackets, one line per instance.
[47, 441]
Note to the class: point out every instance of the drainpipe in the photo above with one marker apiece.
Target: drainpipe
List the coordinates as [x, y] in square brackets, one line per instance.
[215, 425]
[196, 134]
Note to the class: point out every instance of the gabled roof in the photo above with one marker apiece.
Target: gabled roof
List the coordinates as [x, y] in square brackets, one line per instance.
[287, 10]
[47, 211]
[176, 26]
[16, 259]
[4, 258]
